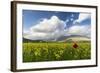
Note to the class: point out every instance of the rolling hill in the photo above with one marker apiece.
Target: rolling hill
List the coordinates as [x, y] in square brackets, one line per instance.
[63, 39]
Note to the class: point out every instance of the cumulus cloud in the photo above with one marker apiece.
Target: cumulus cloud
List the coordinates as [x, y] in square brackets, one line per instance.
[53, 28]
[82, 17]
[49, 25]
[47, 29]
[83, 30]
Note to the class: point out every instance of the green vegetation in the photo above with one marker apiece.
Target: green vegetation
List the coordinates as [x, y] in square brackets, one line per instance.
[57, 51]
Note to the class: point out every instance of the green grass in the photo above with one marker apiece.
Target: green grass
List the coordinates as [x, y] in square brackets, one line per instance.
[57, 51]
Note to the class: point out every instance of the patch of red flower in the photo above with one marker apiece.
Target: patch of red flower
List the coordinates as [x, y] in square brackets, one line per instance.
[75, 45]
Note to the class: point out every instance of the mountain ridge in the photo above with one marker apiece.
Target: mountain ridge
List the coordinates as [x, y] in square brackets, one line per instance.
[61, 39]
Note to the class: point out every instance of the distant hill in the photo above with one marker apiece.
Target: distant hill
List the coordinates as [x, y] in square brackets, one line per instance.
[28, 40]
[78, 39]
[71, 38]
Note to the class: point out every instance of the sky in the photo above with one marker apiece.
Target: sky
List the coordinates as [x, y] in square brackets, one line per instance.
[50, 25]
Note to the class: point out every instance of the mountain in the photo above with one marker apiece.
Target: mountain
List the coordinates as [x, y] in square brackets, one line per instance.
[29, 40]
[74, 38]
[70, 38]
[78, 39]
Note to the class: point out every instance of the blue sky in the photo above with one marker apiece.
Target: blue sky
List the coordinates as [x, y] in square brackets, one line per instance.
[37, 19]
[32, 17]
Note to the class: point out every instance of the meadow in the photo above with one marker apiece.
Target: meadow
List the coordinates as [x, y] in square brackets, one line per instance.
[55, 51]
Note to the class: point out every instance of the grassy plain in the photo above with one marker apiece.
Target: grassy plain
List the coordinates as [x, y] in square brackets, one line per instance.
[55, 51]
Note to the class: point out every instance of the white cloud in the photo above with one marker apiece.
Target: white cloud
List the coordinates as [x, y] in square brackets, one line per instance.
[47, 29]
[83, 30]
[53, 28]
[49, 25]
[82, 17]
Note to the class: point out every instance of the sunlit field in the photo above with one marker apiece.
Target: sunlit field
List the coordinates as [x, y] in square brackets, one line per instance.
[55, 51]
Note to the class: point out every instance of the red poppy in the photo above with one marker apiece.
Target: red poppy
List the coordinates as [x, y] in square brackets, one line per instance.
[75, 45]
